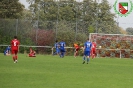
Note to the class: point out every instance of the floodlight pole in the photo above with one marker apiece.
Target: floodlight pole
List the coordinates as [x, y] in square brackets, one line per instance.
[76, 22]
[118, 33]
[16, 27]
[37, 23]
[97, 1]
[57, 20]
[118, 22]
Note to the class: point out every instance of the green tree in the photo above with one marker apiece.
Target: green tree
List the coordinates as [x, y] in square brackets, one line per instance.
[129, 30]
[91, 29]
[11, 9]
[27, 14]
[82, 15]
[106, 23]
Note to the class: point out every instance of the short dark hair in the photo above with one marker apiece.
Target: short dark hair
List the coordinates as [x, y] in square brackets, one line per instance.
[88, 39]
[56, 41]
[15, 37]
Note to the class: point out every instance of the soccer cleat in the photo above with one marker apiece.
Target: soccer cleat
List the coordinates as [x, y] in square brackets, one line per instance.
[83, 62]
[16, 61]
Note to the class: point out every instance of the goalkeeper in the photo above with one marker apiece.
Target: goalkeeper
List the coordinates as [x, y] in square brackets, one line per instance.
[77, 48]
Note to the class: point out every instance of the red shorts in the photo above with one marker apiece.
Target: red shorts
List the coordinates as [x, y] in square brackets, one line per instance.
[14, 51]
[93, 51]
[77, 49]
[32, 55]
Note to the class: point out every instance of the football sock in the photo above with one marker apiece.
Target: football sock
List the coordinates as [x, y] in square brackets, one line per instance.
[84, 58]
[16, 57]
[62, 54]
[13, 58]
[55, 53]
[88, 59]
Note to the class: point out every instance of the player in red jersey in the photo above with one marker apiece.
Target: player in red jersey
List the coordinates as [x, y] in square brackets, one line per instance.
[93, 50]
[15, 48]
[32, 53]
[77, 48]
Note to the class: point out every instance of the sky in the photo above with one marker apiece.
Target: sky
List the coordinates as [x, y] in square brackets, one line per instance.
[123, 21]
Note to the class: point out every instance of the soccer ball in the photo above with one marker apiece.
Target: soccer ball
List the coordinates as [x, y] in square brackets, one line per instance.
[100, 47]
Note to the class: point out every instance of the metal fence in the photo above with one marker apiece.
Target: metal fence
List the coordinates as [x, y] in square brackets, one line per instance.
[44, 33]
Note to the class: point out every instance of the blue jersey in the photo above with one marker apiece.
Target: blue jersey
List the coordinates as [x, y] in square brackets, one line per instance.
[62, 45]
[56, 45]
[87, 46]
[7, 50]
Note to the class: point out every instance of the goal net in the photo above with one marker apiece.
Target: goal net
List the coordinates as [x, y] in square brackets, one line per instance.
[113, 45]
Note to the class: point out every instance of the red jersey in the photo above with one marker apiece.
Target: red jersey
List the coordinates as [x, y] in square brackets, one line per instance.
[76, 46]
[32, 51]
[94, 45]
[14, 44]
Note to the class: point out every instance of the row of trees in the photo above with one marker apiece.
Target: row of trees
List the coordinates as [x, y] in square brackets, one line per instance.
[48, 20]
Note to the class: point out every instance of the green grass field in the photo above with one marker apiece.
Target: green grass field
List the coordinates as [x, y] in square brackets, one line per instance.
[45, 71]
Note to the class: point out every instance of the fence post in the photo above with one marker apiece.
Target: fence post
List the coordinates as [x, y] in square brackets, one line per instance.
[120, 53]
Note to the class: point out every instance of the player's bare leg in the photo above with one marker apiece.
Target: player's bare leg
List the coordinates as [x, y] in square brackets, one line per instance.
[92, 56]
[75, 54]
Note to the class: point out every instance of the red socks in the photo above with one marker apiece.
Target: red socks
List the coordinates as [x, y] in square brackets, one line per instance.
[15, 58]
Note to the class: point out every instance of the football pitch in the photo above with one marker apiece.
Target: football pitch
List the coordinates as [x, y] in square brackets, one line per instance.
[45, 71]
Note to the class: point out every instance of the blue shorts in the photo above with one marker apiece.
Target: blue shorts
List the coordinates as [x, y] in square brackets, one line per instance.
[4, 53]
[62, 50]
[87, 53]
[57, 51]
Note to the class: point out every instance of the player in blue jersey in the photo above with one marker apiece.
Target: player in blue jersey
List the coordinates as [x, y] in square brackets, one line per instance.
[62, 48]
[7, 51]
[87, 51]
[56, 46]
